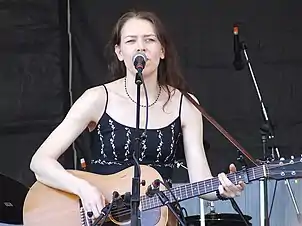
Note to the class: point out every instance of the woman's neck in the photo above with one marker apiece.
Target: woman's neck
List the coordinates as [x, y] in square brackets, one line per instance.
[151, 86]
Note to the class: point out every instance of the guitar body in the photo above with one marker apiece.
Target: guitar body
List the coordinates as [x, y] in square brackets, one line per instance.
[51, 207]
[45, 206]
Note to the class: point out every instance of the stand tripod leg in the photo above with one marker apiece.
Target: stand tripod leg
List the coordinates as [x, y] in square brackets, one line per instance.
[264, 220]
[201, 211]
[293, 200]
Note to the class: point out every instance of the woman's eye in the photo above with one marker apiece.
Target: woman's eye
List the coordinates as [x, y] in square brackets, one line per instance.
[150, 40]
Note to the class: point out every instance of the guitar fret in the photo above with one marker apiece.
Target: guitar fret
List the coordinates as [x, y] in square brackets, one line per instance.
[188, 191]
[182, 192]
[254, 174]
[239, 176]
[212, 184]
[264, 170]
[178, 193]
[195, 189]
[191, 186]
[198, 189]
[191, 190]
[208, 185]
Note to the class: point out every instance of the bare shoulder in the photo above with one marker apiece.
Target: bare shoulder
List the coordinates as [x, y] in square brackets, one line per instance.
[90, 104]
[188, 103]
[115, 87]
[92, 97]
[94, 94]
[190, 113]
[194, 97]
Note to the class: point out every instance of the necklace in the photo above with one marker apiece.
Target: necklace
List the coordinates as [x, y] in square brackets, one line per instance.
[159, 92]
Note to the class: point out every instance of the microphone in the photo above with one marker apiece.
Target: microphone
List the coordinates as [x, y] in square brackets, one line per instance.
[238, 62]
[153, 188]
[139, 61]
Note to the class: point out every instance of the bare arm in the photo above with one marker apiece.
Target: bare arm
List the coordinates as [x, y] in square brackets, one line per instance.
[192, 127]
[195, 155]
[44, 162]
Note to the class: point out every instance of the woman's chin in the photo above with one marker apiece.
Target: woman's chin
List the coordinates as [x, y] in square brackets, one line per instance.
[149, 72]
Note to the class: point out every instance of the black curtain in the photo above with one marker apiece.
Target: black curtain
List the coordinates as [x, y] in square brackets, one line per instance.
[34, 72]
[33, 80]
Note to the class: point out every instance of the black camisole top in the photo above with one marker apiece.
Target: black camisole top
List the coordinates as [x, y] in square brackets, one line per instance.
[113, 144]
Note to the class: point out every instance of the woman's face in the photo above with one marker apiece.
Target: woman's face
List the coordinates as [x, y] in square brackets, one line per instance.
[139, 35]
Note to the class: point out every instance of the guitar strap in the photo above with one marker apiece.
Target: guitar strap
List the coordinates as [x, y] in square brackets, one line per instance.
[220, 129]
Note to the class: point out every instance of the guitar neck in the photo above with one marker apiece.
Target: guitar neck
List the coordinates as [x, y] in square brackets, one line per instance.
[196, 189]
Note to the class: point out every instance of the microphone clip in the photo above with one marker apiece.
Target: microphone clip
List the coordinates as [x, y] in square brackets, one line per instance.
[239, 46]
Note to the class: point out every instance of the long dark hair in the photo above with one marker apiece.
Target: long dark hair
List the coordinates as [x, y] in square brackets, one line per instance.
[169, 73]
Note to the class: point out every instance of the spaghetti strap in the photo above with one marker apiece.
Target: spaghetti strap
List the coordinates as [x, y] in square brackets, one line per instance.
[181, 97]
[106, 98]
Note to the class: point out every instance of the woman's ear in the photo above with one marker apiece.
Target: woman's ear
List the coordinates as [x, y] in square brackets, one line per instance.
[118, 52]
[162, 53]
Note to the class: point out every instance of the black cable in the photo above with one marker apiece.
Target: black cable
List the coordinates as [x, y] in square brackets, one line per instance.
[185, 210]
[147, 105]
[106, 211]
[165, 201]
[176, 201]
[144, 135]
[237, 209]
[240, 159]
[273, 199]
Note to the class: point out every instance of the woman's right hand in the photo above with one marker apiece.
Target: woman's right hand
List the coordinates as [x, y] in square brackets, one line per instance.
[92, 199]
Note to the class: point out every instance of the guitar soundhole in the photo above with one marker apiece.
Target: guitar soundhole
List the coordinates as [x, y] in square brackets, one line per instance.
[121, 214]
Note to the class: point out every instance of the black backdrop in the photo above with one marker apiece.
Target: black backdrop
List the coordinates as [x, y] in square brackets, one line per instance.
[33, 80]
[34, 70]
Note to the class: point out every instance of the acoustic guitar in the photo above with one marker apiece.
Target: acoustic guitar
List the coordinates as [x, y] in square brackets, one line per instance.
[46, 206]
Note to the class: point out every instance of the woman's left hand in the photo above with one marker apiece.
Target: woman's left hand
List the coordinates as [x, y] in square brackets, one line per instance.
[227, 189]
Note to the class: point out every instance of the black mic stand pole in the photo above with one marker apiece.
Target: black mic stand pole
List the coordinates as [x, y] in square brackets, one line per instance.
[267, 134]
[264, 219]
[135, 196]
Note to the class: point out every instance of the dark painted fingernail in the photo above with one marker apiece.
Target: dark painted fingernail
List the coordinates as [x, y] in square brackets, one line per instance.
[90, 214]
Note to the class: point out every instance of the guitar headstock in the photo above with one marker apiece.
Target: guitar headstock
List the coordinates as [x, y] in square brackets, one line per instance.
[285, 169]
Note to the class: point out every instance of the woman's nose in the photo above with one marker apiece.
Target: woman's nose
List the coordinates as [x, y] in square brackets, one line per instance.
[141, 46]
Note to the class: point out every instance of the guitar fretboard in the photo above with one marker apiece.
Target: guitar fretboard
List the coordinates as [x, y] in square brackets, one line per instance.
[192, 190]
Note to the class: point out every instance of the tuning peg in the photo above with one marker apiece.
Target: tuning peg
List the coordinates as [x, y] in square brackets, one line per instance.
[292, 159]
[282, 159]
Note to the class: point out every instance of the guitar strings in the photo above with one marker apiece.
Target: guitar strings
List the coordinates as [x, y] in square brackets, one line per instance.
[125, 211]
[149, 201]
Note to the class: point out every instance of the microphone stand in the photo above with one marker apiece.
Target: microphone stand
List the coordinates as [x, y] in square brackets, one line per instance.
[267, 134]
[135, 196]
